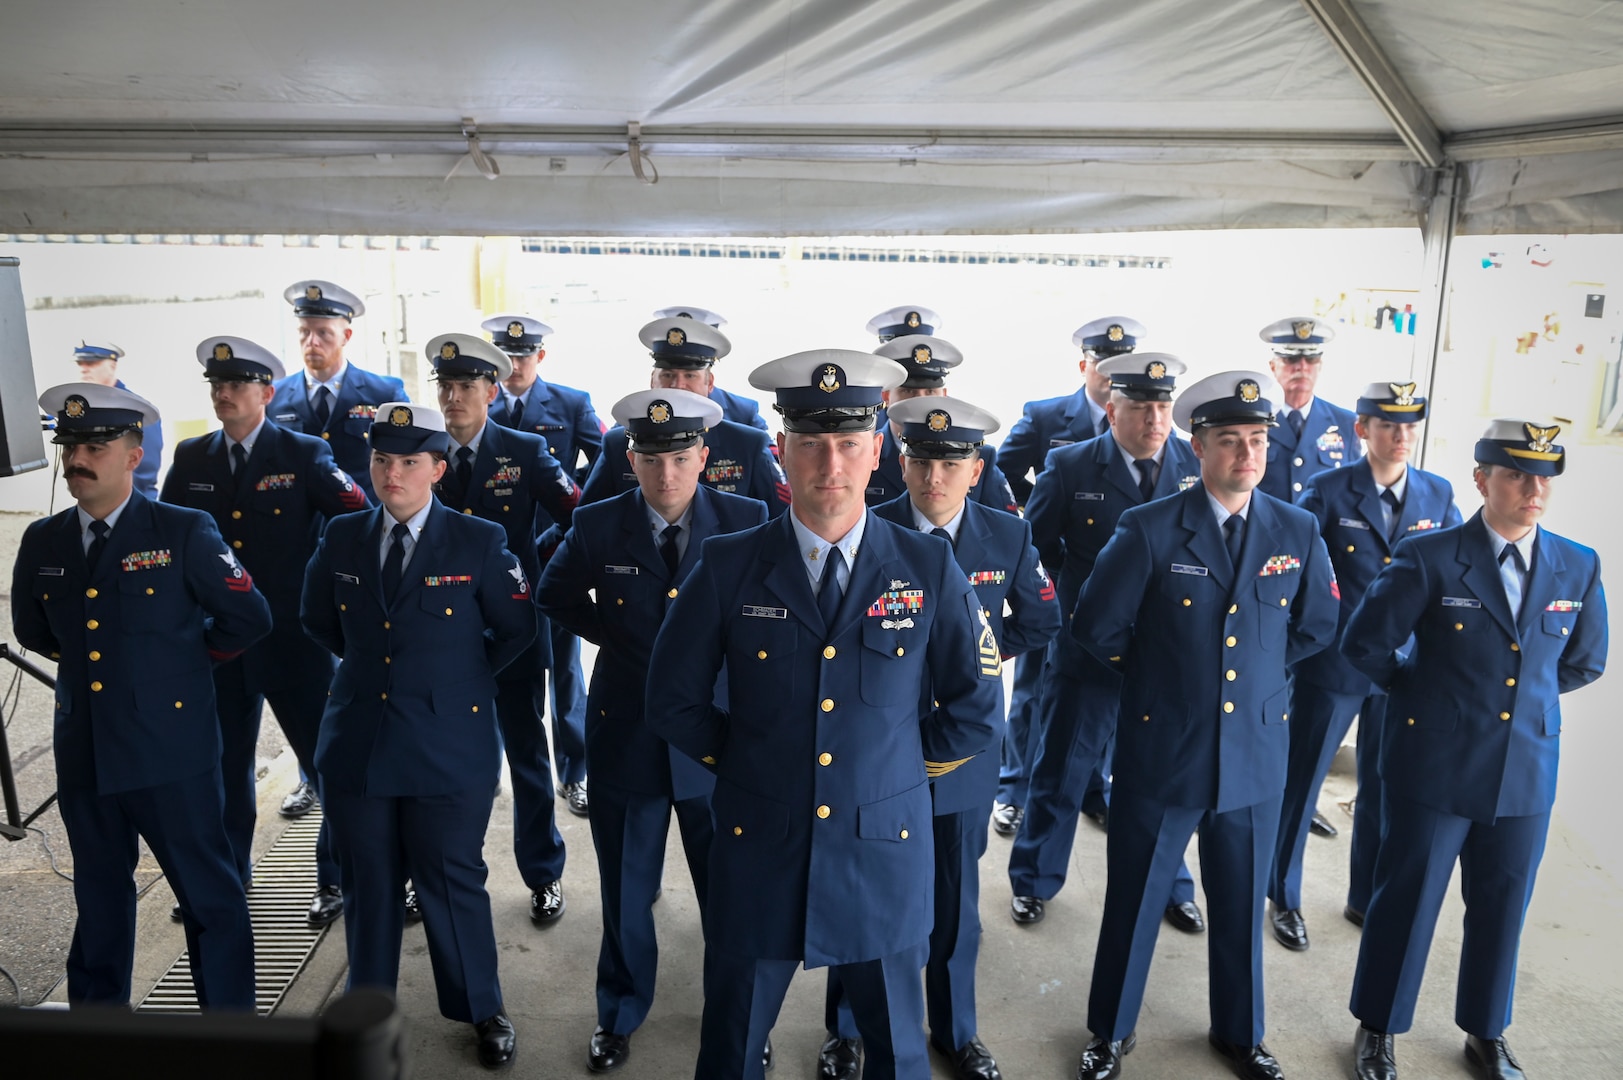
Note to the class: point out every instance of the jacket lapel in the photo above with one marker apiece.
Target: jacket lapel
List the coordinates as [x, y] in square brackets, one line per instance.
[1481, 573]
[369, 563]
[1256, 546]
[871, 574]
[1369, 503]
[639, 537]
[1178, 462]
[703, 523]
[425, 555]
[1545, 579]
[974, 540]
[1204, 541]
[1107, 453]
[1282, 434]
[786, 576]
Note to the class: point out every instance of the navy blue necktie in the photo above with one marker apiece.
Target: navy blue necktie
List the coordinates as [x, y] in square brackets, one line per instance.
[394, 563]
[1146, 478]
[1234, 537]
[1389, 497]
[98, 545]
[323, 408]
[516, 413]
[828, 592]
[667, 548]
[464, 473]
[1297, 421]
[944, 534]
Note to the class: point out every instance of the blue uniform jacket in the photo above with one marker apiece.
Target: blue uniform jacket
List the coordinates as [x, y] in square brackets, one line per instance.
[612, 550]
[740, 463]
[994, 551]
[146, 473]
[517, 485]
[1328, 442]
[273, 516]
[1043, 426]
[566, 422]
[413, 706]
[1349, 513]
[737, 408]
[823, 848]
[1475, 710]
[1203, 720]
[1079, 496]
[349, 423]
[135, 642]
[886, 482]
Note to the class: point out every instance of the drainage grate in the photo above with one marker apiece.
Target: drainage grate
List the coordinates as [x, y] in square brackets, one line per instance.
[284, 881]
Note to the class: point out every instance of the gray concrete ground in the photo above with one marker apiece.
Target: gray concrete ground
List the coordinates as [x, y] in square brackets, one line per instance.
[1033, 981]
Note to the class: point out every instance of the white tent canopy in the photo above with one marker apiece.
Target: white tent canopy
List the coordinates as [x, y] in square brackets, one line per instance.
[777, 117]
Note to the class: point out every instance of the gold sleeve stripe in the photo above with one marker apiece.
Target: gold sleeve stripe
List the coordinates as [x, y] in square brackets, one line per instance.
[933, 769]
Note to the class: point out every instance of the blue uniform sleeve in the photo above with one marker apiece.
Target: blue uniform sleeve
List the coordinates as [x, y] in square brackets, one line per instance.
[966, 677]
[994, 490]
[505, 601]
[1045, 511]
[332, 490]
[1035, 616]
[599, 483]
[28, 621]
[146, 473]
[588, 437]
[767, 482]
[223, 588]
[564, 591]
[1584, 658]
[552, 489]
[318, 610]
[1019, 454]
[397, 387]
[1313, 502]
[688, 653]
[1107, 607]
[1385, 618]
[1316, 611]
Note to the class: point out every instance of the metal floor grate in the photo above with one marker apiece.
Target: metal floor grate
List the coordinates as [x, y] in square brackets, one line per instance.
[284, 881]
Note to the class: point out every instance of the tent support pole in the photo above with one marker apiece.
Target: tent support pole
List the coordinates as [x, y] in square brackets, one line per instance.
[1439, 220]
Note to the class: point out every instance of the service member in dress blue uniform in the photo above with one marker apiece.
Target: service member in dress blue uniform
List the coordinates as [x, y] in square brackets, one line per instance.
[1202, 599]
[1312, 435]
[740, 459]
[563, 417]
[1504, 617]
[135, 601]
[611, 582]
[98, 363]
[423, 607]
[1044, 426]
[507, 477]
[331, 398]
[832, 625]
[1082, 491]
[1364, 510]
[269, 491]
[926, 361]
[734, 407]
[941, 437]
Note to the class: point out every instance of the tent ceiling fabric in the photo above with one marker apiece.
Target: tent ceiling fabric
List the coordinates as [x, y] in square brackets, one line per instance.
[772, 117]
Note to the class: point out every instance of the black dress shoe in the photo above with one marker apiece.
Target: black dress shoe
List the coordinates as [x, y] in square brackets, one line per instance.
[1290, 929]
[299, 802]
[1101, 1060]
[325, 906]
[766, 1056]
[1186, 917]
[1026, 909]
[547, 903]
[1320, 826]
[575, 798]
[608, 1051]
[1353, 915]
[1006, 818]
[1492, 1059]
[498, 1042]
[414, 908]
[174, 913]
[972, 1061]
[1248, 1062]
[1100, 818]
[839, 1059]
[1374, 1056]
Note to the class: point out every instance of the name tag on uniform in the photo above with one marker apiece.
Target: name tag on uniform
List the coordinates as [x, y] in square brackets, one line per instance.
[755, 612]
[281, 417]
[199, 487]
[875, 491]
[1089, 496]
[50, 571]
[349, 579]
[1353, 523]
[1181, 568]
[629, 477]
[1461, 601]
[620, 570]
[1060, 442]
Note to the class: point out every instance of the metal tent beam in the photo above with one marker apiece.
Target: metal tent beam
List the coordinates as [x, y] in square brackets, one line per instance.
[1346, 30]
[1441, 220]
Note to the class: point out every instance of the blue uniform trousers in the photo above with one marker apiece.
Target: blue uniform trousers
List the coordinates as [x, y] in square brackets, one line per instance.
[1147, 841]
[568, 706]
[1076, 719]
[1096, 799]
[181, 822]
[297, 698]
[742, 996]
[1498, 865]
[1020, 738]
[955, 941]
[1368, 817]
[1319, 721]
[441, 837]
[629, 830]
[538, 847]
